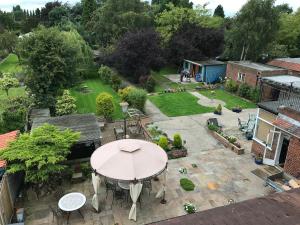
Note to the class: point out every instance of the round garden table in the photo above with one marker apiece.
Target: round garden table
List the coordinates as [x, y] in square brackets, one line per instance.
[72, 202]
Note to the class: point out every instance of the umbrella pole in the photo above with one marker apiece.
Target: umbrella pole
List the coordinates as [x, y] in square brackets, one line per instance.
[163, 201]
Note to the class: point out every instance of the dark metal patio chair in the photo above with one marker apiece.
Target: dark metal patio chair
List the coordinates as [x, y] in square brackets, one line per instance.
[57, 214]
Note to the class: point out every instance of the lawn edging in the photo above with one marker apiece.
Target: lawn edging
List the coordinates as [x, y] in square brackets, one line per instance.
[226, 143]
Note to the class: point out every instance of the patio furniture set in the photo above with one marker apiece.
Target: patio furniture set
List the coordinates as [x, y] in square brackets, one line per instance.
[247, 127]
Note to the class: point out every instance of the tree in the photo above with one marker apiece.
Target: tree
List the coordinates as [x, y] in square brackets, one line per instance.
[137, 53]
[40, 154]
[219, 11]
[14, 114]
[88, 7]
[115, 17]
[52, 58]
[194, 42]
[169, 21]
[57, 15]
[65, 104]
[7, 81]
[163, 4]
[8, 41]
[105, 105]
[284, 8]
[254, 27]
[6, 21]
[47, 9]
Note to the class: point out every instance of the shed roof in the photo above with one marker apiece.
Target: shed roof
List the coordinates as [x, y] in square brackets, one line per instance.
[205, 62]
[289, 126]
[273, 106]
[4, 141]
[286, 80]
[276, 209]
[256, 66]
[86, 124]
[287, 63]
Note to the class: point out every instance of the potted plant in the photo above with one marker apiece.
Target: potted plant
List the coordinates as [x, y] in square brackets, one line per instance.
[189, 208]
[237, 109]
[218, 110]
[258, 159]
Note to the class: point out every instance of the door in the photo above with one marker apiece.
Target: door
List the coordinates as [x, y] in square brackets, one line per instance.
[273, 138]
[284, 150]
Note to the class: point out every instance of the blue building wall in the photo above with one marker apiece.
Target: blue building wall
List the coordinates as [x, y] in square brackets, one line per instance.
[212, 73]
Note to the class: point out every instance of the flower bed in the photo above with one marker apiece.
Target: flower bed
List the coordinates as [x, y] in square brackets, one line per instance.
[227, 141]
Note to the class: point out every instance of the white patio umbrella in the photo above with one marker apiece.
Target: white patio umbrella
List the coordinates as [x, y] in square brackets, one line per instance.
[129, 160]
[96, 184]
[135, 191]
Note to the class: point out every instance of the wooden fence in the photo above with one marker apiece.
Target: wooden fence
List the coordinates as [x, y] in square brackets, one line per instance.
[6, 202]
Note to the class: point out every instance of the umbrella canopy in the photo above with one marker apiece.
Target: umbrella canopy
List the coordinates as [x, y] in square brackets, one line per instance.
[129, 159]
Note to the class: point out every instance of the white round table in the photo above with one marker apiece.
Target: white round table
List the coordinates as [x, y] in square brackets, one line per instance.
[72, 202]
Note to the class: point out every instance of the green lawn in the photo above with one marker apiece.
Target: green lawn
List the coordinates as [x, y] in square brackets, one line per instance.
[86, 102]
[230, 99]
[179, 104]
[163, 83]
[10, 64]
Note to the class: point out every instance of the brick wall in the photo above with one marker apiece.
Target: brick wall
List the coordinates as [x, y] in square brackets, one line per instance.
[250, 74]
[257, 148]
[292, 162]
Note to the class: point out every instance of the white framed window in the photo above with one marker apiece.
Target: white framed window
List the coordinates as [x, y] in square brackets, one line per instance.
[241, 77]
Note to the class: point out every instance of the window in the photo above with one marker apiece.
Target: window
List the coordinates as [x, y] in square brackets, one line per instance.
[241, 77]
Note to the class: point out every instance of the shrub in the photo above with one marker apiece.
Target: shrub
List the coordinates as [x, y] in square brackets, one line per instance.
[231, 86]
[187, 184]
[105, 105]
[255, 95]
[231, 139]
[218, 109]
[177, 141]
[65, 104]
[137, 98]
[116, 82]
[105, 74]
[213, 127]
[163, 142]
[86, 169]
[123, 93]
[150, 84]
[244, 91]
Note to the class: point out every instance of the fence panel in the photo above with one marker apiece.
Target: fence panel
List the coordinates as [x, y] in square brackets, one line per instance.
[6, 203]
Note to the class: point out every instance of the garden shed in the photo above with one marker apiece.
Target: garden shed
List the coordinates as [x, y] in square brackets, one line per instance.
[209, 71]
[86, 124]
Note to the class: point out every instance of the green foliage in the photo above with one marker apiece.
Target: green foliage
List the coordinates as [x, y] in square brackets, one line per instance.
[14, 115]
[163, 142]
[52, 58]
[219, 11]
[65, 104]
[254, 27]
[86, 169]
[40, 154]
[116, 82]
[137, 98]
[88, 7]
[123, 93]
[255, 94]
[57, 15]
[105, 74]
[244, 91]
[8, 41]
[7, 81]
[213, 127]
[114, 18]
[105, 105]
[231, 86]
[218, 109]
[187, 184]
[232, 139]
[150, 84]
[177, 141]
[169, 21]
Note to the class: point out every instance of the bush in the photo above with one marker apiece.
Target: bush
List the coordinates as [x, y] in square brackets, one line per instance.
[65, 104]
[177, 141]
[231, 139]
[231, 86]
[218, 109]
[105, 105]
[213, 127]
[255, 95]
[150, 84]
[86, 169]
[123, 93]
[244, 91]
[116, 82]
[105, 74]
[163, 142]
[137, 98]
[187, 184]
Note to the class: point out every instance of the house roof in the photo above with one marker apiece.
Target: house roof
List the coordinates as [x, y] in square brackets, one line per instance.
[86, 124]
[205, 62]
[4, 140]
[273, 106]
[276, 209]
[256, 66]
[287, 63]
